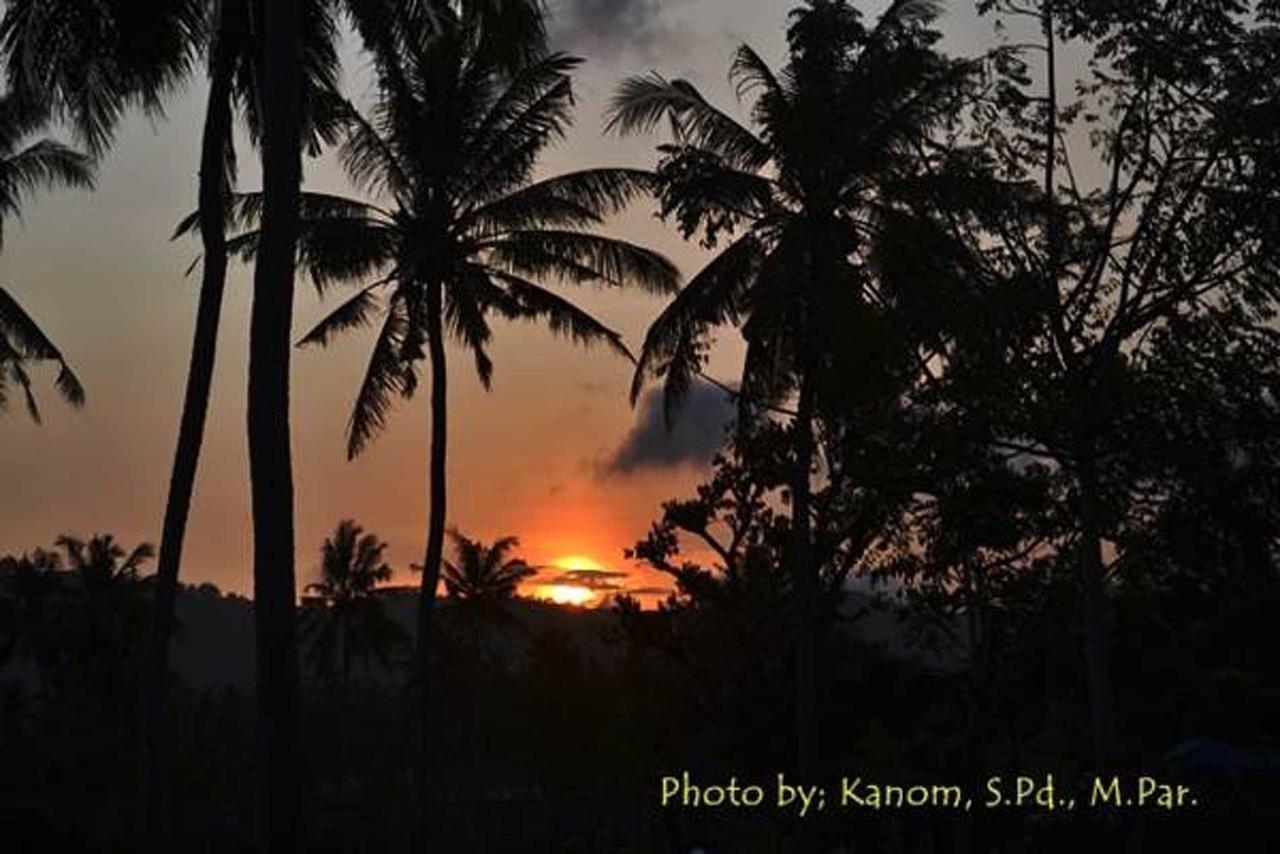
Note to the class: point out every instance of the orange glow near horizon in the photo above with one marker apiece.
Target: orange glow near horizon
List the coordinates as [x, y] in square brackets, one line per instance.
[566, 594]
[578, 563]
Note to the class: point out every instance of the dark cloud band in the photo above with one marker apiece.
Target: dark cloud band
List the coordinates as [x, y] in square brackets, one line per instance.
[695, 437]
[605, 28]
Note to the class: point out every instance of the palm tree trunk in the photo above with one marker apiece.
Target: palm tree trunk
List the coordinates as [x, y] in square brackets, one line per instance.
[805, 576]
[195, 408]
[270, 461]
[435, 546]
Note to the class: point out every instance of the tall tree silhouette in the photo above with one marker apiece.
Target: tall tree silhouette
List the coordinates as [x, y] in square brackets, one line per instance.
[270, 451]
[804, 186]
[452, 143]
[234, 68]
[1090, 220]
[388, 31]
[90, 62]
[215, 156]
[25, 168]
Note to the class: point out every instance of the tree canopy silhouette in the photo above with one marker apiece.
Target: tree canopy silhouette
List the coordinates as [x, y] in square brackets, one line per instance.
[797, 196]
[481, 581]
[347, 625]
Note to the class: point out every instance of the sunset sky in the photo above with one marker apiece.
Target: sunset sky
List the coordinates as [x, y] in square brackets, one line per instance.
[554, 454]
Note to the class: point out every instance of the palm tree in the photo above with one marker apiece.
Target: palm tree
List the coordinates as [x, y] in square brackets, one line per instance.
[107, 579]
[103, 617]
[345, 623]
[349, 624]
[77, 613]
[482, 582]
[270, 460]
[387, 26]
[484, 573]
[800, 192]
[26, 167]
[463, 233]
[234, 74]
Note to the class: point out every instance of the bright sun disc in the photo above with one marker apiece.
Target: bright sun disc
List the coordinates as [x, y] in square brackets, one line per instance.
[565, 594]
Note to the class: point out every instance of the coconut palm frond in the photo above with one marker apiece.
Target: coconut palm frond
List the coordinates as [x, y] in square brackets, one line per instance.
[44, 165]
[715, 296]
[750, 74]
[643, 102]
[23, 340]
[385, 377]
[88, 63]
[575, 200]
[523, 97]
[561, 316]
[506, 160]
[372, 164]
[341, 250]
[586, 258]
[465, 319]
[356, 313]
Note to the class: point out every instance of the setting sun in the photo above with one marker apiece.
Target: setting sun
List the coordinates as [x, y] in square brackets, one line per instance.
[574, 569]
[566, 594]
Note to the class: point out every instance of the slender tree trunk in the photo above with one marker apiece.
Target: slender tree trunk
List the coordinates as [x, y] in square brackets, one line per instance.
[1096, 606]
[1051, 132]
[270, 460]
[978, 700]
[435, 547]
[1097, 614]
[195, 408]
[805, 578]
[344, 710]
[1256, 566]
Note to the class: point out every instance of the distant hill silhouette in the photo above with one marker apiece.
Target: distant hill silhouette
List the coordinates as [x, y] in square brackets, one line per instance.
[215, 646]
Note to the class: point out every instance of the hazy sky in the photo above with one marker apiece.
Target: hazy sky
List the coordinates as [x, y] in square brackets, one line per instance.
[554, 454]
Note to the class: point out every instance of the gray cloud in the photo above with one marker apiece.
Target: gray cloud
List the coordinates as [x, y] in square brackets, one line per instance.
[594, 579]
[649, 591]
[695, 437]
[606, 28]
